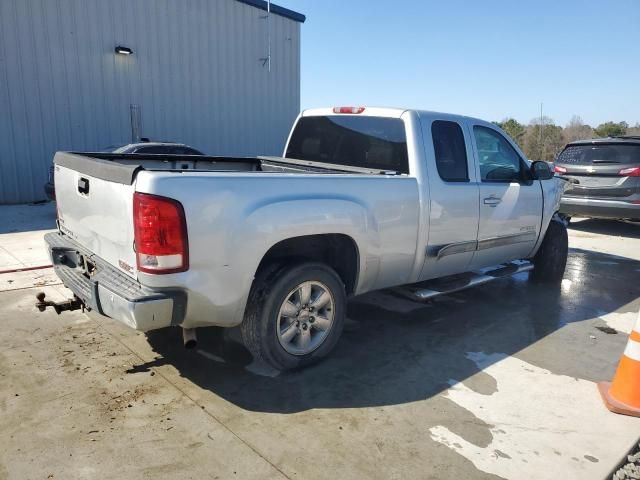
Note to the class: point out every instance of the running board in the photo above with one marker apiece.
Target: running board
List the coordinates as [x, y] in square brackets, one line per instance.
[432, 288]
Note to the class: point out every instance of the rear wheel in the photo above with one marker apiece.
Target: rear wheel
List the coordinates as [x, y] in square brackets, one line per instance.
[551, 259]
[294, 316]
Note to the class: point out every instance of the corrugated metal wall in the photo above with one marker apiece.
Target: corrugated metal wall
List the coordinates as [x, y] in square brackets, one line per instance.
[195, 73]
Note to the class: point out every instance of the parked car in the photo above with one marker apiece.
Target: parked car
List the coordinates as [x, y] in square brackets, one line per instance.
[163, 148]
[362, 199]
[604, 178]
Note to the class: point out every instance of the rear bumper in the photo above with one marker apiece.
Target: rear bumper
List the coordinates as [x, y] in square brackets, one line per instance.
[109, 291]
[589, 207]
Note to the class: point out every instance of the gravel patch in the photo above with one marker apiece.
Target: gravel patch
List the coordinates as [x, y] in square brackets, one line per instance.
[631, 469]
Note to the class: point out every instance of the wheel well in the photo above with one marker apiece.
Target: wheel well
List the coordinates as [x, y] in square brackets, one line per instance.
[335, 250]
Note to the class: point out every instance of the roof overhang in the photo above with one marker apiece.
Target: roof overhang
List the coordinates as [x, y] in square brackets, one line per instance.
[276, 9]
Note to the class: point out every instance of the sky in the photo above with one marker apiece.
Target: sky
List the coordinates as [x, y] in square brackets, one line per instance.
[491, 59]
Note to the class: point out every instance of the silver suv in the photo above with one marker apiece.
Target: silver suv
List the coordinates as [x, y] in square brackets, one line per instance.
[604, 178]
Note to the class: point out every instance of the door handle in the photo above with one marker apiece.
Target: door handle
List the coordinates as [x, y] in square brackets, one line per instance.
[492, 201]
[83, 185]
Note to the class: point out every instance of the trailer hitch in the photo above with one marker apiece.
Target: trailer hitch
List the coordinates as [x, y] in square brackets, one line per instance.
[68, 305]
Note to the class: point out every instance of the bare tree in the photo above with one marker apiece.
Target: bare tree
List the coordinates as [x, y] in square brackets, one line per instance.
[576, 129]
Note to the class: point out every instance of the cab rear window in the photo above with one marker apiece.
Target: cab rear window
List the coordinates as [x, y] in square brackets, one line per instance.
[358, 141]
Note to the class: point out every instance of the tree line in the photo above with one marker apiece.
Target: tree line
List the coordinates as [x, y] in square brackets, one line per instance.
[542, 139]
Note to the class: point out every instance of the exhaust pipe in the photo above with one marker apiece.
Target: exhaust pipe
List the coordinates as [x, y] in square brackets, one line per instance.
[189, 338]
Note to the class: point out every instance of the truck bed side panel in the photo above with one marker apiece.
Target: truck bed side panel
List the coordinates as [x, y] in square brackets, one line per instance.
[232, 223]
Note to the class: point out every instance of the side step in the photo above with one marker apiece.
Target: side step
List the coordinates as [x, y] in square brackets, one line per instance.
[432, 288]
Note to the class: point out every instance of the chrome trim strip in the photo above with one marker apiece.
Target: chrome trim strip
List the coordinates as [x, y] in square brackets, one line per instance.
[507, 240]
[453, 248]
[472, 246]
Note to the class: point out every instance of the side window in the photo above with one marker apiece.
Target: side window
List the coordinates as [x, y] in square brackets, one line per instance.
[451, 154]
[153, 149]
[186, 151]
[499, 162]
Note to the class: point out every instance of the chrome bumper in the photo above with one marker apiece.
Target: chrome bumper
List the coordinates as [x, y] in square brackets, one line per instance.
[590, 207]
[110, 292]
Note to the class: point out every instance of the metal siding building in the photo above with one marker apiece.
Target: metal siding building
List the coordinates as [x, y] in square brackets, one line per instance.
[197, 75]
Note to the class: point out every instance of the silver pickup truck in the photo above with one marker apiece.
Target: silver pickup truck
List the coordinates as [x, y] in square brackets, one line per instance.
[362, 199]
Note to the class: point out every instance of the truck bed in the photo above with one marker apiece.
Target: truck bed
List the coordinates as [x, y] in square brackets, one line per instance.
[122, 168]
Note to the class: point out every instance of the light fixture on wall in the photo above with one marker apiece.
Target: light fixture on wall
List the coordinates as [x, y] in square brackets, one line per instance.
[123, 50]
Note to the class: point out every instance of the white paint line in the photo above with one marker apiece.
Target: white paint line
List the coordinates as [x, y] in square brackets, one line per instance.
[544, 425]
[262, 370]
[210, 356]
[623, 322]
[632, 350]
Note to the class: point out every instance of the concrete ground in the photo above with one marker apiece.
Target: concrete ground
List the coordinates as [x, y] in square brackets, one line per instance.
[492, 382]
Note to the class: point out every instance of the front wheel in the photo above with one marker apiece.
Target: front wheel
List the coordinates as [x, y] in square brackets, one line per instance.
[551, 259]
[295, 318]
[566, 219]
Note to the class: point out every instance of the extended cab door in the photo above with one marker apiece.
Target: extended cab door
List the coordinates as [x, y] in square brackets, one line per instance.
[510, 200]
[453, 197]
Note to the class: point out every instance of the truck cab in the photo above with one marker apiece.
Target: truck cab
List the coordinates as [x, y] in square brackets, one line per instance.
[480, 203]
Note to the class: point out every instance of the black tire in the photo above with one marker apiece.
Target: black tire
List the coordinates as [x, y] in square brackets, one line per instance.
[270, 290]
[551, 259]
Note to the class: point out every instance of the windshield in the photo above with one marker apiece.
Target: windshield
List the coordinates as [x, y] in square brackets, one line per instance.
[368, 142]
[600, 153]
[113, 148]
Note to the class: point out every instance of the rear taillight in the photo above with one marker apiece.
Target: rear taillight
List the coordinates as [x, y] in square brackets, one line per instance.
[560, 170]
[160, 232]
[348, 109]
[630, 172]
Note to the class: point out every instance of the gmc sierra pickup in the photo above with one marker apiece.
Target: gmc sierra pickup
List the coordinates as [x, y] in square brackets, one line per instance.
[362, 199]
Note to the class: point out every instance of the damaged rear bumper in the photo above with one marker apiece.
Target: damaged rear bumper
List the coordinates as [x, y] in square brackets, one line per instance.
[105, 289]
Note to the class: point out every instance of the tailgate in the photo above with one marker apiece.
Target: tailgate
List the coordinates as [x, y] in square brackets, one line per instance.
[601, 185]
[95, 207]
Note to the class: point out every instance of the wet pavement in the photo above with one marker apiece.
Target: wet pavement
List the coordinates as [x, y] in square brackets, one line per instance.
[491, 382]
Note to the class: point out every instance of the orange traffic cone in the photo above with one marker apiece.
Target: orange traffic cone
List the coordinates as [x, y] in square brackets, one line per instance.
[623, 394]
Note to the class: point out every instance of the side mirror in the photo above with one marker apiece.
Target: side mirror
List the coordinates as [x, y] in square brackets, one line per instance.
[541, 170]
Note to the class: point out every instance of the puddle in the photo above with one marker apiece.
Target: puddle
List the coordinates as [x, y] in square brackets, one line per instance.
[540, 418]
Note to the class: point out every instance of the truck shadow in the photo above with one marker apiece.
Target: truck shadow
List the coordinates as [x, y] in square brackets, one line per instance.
[386, 357]
[607, 227]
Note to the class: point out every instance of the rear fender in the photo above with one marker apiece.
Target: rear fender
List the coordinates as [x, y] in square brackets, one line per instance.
[269, 223]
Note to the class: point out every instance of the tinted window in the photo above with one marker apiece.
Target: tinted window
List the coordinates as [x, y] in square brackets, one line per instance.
[451, 154]
[369, 142]
[114, 149]
[186, 151]
[499, 162]
[154, 149]
[601, 153]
